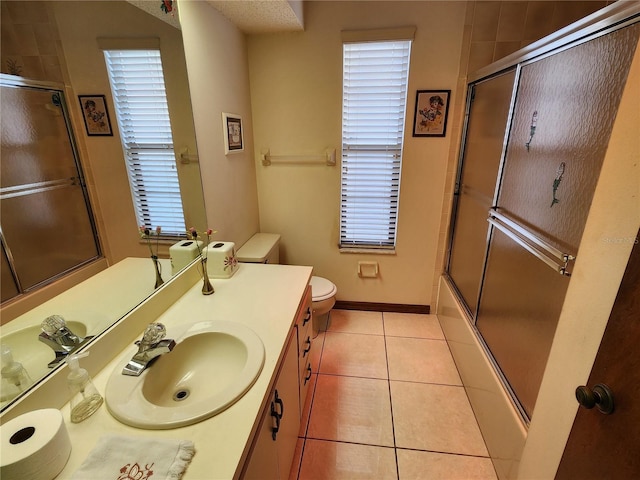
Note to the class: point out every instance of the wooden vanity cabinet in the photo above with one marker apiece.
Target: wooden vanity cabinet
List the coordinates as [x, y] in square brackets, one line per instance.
[274, 444]
[304, 321]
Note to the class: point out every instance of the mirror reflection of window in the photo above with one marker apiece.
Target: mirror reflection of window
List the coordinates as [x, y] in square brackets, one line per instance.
[138, 88]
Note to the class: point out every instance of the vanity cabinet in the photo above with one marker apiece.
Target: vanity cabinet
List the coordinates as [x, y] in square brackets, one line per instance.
[275, 442]
[305, 343]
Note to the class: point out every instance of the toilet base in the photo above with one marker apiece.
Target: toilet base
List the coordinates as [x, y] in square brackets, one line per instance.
[321, 312]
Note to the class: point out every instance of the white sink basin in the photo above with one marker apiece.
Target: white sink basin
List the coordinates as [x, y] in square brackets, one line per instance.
[31, 352]
[212, 366]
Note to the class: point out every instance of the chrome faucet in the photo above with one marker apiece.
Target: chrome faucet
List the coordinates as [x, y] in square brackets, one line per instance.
[62, 341]
[150, 347]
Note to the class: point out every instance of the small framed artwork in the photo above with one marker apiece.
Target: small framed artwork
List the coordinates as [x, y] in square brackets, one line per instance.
[96, 115]
[430, 116]
[233, 134]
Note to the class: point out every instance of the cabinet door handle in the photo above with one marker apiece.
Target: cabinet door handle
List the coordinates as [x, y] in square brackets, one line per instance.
[279, 401]
[307, 317]
[274, 414]
[306, 350]
[308, 377]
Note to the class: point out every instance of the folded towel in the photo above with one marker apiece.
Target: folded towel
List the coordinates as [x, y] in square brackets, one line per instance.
[117, 457]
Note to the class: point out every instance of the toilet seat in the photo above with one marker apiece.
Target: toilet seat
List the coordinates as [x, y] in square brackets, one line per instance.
[322, 289]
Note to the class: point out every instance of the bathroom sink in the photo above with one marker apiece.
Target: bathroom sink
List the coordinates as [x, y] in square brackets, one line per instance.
[32, 353]
[213, 364]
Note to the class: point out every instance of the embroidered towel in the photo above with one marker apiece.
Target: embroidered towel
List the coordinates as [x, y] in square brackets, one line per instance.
[117, 457]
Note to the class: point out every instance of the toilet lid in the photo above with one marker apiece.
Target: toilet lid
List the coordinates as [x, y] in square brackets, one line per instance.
[321, 289]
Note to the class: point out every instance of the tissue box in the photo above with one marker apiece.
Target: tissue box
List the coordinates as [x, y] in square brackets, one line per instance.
[221, 259]
[183, 253]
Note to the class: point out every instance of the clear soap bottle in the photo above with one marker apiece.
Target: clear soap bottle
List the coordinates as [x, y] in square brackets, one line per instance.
[15, 378]
[85, 399]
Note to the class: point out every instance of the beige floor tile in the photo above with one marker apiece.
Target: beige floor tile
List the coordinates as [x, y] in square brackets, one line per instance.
[412, 325]
[416, 465]
[351, 409]
[355, 321]
[354, 355]
[435, 417]
[421, 360]
[324, 460]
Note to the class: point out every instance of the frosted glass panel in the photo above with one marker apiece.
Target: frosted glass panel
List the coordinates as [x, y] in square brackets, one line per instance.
[483, 150]
[35, 142]
[574, 96]
[521, 301]
[46, 222]
[59, 235]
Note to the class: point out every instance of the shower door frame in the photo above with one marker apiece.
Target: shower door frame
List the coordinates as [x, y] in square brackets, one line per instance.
[596, 25]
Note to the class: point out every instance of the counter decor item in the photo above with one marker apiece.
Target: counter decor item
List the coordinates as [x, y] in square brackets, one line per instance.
[35, 446]
[207, 288]
[146, 234]
[134, 457]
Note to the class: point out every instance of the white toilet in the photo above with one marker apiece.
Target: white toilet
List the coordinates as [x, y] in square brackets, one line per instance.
[264, 248]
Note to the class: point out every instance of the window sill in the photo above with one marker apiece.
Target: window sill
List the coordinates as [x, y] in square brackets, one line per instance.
[374, 251]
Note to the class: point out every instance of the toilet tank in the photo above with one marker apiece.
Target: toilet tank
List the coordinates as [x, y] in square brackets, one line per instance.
[261, 248]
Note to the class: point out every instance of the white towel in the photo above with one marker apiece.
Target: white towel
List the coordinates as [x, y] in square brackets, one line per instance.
[117, 457]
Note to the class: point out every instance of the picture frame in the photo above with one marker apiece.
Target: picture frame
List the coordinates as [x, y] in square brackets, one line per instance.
[96, 115]
[233, 133]
[431, 112]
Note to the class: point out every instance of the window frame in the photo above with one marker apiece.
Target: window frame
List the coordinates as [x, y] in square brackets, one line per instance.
[357, 243]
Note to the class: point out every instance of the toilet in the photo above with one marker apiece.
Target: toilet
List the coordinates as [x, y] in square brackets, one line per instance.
[264, 248]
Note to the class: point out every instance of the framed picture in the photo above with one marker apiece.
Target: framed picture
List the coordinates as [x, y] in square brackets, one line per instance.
[96, 115]
[233, 134]
[430, 115]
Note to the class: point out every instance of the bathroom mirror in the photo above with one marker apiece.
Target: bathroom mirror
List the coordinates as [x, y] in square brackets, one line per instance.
[55, 36]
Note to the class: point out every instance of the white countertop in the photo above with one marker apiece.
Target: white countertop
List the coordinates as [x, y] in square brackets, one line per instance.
[262, 297]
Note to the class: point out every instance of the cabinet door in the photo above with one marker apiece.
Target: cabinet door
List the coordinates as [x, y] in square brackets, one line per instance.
[263, 462]
[286, 404]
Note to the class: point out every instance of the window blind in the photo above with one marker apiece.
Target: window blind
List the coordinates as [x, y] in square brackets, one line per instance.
[137, 84]
[375, 78]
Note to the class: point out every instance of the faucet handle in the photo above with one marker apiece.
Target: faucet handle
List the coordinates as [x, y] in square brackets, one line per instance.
[153, 334]
[51, 325]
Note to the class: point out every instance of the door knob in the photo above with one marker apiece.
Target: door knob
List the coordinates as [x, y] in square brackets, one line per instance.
[601, 397]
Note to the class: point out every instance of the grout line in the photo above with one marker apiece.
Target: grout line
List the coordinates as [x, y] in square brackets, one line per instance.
[393, 425]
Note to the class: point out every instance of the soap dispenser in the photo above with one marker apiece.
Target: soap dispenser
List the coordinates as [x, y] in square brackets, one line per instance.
[85, 399]
[15, 378]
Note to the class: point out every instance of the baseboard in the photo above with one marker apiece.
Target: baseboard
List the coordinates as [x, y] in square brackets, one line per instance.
[382, 307]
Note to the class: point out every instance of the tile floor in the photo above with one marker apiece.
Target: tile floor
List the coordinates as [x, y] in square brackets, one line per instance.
[387, 403]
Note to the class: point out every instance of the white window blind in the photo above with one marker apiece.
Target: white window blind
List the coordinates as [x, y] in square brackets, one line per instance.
[137, 84]
[374, 101]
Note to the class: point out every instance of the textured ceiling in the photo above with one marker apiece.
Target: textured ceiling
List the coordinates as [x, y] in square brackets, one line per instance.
[250, 16]
[261, 16]
[153, 7]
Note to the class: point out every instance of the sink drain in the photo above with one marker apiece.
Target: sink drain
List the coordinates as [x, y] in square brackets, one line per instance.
[180, 395]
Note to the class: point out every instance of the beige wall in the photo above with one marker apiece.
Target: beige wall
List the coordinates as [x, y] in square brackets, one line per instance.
[216, 58]
[79, 25]
[296, 96]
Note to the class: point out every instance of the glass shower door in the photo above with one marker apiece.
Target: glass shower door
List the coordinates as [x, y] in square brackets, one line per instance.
[46, 222]
[562, 121]
[475, 190]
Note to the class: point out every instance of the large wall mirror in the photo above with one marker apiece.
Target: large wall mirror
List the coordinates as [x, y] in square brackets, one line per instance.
[56, 42]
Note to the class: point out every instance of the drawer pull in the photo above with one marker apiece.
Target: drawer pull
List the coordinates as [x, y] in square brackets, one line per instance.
[307, 348]
[307, 317]
[308, 377]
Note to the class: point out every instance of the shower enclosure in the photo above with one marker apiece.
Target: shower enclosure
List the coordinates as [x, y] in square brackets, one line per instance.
[46, 224]
[535, 138]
